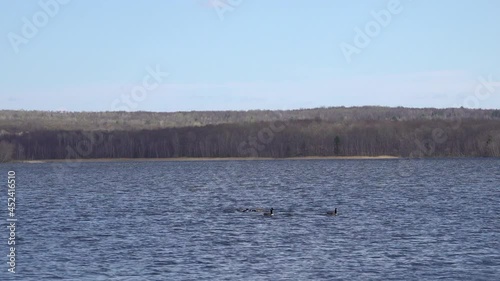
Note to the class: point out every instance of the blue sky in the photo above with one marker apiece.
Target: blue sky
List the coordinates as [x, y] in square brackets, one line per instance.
[248, 54]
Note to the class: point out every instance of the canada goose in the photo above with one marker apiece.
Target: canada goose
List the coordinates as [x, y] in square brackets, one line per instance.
[270, 214]
[251, 210]
[330, 213]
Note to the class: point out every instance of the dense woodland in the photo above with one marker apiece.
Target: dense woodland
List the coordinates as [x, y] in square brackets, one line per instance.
[368, 131]
[21, 121]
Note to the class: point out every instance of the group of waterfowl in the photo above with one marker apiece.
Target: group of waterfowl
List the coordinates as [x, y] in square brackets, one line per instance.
[271, 212]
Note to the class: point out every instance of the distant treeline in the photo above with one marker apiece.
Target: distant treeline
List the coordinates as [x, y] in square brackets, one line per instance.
[12, 121]
[292, 138]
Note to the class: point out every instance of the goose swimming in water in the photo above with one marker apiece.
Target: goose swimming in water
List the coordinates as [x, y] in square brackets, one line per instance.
[332, 213]
[251, 210]
[270, 214]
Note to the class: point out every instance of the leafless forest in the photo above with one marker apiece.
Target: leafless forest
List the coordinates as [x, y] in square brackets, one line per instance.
[339, 131]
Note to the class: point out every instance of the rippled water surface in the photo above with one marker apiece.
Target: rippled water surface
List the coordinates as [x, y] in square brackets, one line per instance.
[398, 220]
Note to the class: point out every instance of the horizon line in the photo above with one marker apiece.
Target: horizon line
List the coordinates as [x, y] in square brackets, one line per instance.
[249, 110]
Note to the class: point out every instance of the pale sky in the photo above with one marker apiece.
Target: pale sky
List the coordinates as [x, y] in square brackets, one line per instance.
[248, 54]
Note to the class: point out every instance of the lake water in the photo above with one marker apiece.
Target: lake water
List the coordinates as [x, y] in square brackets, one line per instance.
[432, 219]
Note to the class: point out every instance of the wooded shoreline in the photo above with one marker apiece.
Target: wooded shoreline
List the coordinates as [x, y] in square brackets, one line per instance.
[185, 159]
[323, 132]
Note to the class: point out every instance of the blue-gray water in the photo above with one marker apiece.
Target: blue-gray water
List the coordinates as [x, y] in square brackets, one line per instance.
[430, 219]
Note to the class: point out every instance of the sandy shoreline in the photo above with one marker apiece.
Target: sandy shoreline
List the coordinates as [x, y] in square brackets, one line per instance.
[208, 159]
